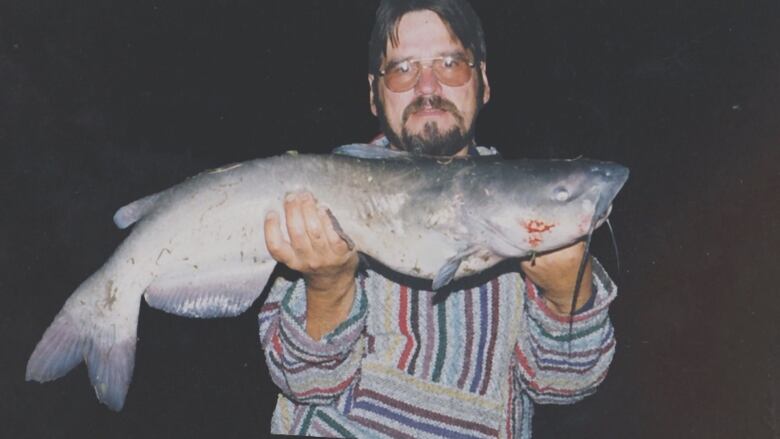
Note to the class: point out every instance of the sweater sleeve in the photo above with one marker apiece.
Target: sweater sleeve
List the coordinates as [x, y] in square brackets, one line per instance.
[306, 370]
[556, 366]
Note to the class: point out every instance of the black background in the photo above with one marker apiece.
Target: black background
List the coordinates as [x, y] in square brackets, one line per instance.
[102, 102]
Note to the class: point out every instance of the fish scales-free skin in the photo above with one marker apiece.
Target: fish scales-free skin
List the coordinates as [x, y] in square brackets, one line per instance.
[197, 249]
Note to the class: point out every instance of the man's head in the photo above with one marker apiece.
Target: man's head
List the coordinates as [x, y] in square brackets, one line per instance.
[427, 74]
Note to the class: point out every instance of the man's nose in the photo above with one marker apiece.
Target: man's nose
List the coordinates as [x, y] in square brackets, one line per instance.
[427, 83]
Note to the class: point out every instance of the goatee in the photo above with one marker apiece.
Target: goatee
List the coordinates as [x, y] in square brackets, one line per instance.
[431, 140]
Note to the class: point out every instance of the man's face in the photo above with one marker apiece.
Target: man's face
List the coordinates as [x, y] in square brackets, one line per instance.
[431, 117]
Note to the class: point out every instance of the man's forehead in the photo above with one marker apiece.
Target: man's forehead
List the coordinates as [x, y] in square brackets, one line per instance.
[422, 33]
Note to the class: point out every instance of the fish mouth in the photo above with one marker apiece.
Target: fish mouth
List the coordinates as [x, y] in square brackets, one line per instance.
[612, 178]
[600, 220]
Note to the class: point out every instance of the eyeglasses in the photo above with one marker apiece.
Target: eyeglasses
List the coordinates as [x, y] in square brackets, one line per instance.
[450, 70]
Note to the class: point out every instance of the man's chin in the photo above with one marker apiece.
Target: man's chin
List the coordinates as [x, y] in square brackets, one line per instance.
[418, 121]
[429, 128]
[432, 141]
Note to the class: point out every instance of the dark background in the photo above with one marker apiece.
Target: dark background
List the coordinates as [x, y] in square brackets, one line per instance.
[102, 102]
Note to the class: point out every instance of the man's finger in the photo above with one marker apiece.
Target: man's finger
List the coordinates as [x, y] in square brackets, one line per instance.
[314, 226]
[275, 242]
[296, 226]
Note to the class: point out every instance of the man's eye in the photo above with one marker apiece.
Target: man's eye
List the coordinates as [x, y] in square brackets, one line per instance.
[450, 62]
[404, 67]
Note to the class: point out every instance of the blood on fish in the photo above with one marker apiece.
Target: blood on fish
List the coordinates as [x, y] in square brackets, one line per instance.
[584, 225]
[538, 226]
[535, 228]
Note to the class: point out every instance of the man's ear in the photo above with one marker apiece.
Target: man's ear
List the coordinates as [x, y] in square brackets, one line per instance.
[371, 93]
[485, 83]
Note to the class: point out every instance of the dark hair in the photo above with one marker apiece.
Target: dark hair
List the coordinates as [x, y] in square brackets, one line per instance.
[458, 15]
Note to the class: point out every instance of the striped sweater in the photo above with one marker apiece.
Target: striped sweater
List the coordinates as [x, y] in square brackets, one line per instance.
[470, 366]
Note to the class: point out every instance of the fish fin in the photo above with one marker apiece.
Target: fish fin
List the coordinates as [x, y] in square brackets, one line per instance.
[60, 350]
[220, 291]
[128, 215]
[110, 367]
[63, 347]
[337, 228]
[107, 348]
[447, 272]
[367, 151]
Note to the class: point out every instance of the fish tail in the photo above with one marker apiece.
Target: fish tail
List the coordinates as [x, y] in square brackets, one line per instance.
[106, 342]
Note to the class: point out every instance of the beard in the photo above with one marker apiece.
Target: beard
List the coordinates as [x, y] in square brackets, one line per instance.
[430, 140]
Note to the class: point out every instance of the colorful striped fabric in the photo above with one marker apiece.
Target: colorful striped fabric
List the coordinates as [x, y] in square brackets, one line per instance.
[401, 366]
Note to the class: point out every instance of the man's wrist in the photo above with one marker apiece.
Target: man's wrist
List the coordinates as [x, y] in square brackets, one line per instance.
[561, 303]
[330, 286]
[329, 294]
[327, 308]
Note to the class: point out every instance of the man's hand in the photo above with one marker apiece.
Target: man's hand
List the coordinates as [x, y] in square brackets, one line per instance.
[317, 251]
[556, 274]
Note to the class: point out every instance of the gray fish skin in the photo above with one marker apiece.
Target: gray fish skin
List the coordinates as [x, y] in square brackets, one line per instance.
[197, 249]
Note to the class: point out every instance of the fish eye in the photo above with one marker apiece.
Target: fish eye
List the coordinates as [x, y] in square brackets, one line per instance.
[561, 194]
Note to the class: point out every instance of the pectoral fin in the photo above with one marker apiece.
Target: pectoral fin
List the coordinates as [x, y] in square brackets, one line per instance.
[208, 292]
[446, 273]
[337, 227]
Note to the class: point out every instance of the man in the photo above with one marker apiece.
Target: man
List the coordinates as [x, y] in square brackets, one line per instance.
[359, 355]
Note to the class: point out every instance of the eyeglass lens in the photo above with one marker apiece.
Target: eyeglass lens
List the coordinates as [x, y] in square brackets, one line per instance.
[449, 71]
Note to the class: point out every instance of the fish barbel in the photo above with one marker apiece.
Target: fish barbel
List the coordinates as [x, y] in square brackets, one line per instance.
[197, 249]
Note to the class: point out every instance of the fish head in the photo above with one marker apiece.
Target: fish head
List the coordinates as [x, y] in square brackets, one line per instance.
[546, 208]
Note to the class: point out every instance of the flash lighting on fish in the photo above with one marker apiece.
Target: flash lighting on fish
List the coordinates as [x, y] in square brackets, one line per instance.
[561, 194]
[587, 205]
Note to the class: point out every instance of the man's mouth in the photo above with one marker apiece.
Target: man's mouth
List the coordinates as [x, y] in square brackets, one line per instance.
[429, 106]
[430, 111]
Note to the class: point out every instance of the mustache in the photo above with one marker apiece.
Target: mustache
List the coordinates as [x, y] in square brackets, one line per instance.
[435, 102]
